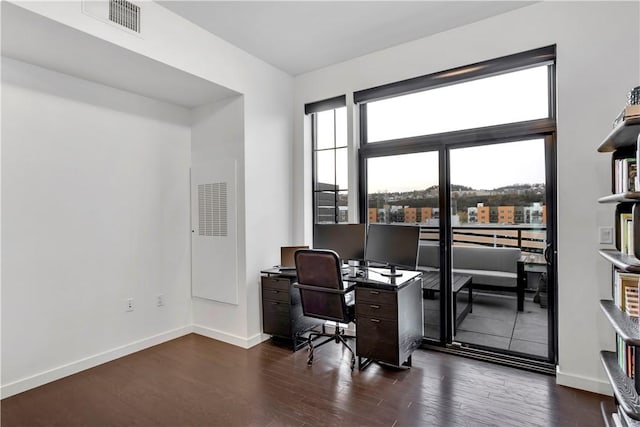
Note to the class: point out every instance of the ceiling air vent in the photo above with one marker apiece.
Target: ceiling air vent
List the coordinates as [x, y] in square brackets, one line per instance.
[125, 13]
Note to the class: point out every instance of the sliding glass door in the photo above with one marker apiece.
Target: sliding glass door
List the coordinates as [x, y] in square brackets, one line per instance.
[499, 234]
[468, 155]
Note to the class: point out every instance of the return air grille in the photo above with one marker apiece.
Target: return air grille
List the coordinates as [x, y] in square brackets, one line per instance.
[125, 13]
[212, 209]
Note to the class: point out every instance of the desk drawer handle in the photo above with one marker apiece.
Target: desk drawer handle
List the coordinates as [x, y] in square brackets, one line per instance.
[275, 303]
[374, 293]
[275, 292]
[375, 320]
[374, 306]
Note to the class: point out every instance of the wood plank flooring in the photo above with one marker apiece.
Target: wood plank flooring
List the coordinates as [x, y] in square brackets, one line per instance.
[196, 381]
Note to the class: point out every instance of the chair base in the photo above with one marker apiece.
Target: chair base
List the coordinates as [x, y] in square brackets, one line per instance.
[338, 336]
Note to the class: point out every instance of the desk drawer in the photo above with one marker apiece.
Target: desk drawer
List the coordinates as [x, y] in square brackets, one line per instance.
[366, 309]
[276, 318]
[377, 338]
[376, 296]
[275, 289]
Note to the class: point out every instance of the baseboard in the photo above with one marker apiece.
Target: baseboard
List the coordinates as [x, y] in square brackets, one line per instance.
[583, 383]
[230, 338]
[89, 362]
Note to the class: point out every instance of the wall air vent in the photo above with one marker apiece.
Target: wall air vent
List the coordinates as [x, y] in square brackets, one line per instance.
[125, 13]
[212, 209]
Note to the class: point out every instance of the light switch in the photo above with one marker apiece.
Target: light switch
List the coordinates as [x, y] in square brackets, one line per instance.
[605, 235]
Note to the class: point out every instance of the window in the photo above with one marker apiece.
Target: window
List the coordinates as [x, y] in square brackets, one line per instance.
[330, 160]
[505, 98]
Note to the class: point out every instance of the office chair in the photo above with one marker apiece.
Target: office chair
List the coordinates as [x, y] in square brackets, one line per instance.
[323, 297]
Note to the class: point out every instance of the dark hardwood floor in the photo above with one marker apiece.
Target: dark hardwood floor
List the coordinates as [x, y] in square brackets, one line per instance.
[196, 381]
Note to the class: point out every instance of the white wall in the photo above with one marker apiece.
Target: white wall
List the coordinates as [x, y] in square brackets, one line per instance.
[264, 196]
[598, 50]
[95, 210]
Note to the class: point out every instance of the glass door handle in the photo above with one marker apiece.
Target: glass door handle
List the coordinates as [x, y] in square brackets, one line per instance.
[547, 253]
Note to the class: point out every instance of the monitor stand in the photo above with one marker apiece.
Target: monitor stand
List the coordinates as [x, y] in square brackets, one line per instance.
[392, 272]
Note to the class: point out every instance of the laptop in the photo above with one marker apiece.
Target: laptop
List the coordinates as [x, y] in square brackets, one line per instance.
[287, 259]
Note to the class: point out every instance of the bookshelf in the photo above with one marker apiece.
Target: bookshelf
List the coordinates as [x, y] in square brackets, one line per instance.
[623, 365]
[623, 135]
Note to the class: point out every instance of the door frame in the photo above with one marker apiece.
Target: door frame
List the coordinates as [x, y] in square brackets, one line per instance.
[536, 129]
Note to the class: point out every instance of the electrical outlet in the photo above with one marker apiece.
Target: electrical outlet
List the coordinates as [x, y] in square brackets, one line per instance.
[160, 300]
[129, 304]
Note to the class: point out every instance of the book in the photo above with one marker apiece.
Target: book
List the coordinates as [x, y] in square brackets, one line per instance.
[626, 225]
[629, 175]
[630, 111]
[626, 357]
[631, 300]
[625, 175]
[621, 282]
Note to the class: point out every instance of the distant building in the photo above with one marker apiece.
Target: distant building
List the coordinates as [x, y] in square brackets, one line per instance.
[506, 214]
[484, 214]
[472, 215]
[493, 214]
[410, 214]
[343, 214]
[519, 217]
[538, 214]
[325, 203]
[373, 215]
[426, 214]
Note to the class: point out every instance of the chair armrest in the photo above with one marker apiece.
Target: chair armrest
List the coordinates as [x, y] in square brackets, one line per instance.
[325, 290]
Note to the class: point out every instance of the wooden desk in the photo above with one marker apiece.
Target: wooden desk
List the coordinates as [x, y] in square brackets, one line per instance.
[388, 313]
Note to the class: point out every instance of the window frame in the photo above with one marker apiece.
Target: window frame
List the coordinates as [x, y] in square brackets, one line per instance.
[312, 109]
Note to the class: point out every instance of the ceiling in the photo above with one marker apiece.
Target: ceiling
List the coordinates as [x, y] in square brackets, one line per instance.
[301, 36]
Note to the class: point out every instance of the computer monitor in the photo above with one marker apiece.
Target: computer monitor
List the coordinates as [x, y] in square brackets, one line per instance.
[393, 245]
[346, 239]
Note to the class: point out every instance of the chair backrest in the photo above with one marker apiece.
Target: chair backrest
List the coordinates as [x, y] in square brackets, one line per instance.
[321, 268]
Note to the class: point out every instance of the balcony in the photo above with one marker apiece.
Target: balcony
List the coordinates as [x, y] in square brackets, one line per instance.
[494, 321]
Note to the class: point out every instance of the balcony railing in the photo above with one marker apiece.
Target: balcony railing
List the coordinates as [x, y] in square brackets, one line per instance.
[529, 238]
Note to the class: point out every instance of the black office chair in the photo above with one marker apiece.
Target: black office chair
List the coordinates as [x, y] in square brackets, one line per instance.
[323, 297]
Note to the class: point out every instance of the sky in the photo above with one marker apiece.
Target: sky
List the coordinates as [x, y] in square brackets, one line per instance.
[481, 168]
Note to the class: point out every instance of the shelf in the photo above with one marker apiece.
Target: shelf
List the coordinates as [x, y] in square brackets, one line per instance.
[623, 387]
[622, 261]
[621, 198]
[625, 326]
[624, 134]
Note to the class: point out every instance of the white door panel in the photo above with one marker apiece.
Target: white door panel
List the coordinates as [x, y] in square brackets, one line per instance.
[214, 231]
